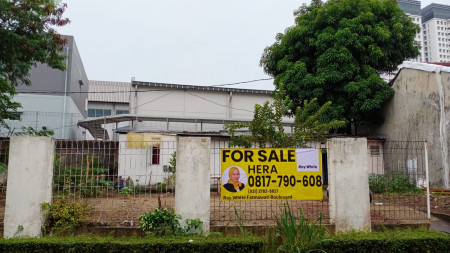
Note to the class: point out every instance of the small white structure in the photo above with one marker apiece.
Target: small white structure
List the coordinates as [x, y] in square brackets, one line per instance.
[144, 157]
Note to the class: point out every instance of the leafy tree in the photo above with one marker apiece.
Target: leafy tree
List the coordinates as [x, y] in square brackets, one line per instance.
[26, 38]
[267, 125]
[335, 52]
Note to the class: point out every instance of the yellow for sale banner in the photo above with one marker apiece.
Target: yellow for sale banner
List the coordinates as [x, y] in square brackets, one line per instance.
[271, 174]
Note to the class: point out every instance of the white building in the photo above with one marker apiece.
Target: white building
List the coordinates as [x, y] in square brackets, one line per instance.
[158, 113]
[108, 98]
[175, 108]
[436, 32]
[412, 10]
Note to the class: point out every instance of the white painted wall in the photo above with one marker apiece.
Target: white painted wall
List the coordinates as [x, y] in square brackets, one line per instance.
[195, 103]
[134, 162]
[419, 111]
[192, 199]
[348, 184]
[30, 174]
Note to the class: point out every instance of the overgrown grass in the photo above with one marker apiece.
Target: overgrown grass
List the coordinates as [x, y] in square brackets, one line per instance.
[290, 236]
[393, 182]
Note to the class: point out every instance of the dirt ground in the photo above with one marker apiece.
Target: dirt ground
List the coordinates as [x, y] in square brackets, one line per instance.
[123, 210]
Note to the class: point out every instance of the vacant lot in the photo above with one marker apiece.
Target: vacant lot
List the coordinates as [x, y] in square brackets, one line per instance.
[124, 210]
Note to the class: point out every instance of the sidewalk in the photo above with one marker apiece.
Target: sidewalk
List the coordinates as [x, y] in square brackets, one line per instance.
[440, 222]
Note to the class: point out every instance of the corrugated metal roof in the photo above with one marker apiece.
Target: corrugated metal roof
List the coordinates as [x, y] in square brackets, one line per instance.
[193, 87]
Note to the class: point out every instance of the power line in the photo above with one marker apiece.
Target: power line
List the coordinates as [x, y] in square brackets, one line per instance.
[152, 100]
[217, 103]
[251, 81]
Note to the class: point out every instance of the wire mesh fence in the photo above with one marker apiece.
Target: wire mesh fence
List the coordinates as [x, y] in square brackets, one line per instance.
[64, 125]
[260, 212]
[397, 178]
[120, 181]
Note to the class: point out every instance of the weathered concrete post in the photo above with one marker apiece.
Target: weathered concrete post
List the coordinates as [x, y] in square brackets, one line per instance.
[30, 176]
[192, 197]
[348, 183]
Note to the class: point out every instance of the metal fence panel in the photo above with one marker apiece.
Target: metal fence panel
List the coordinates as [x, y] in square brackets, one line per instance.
[397, 177]
[262, 212]
[120, 181]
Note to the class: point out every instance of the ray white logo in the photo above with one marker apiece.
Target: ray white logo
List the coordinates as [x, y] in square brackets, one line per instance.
[307, 159]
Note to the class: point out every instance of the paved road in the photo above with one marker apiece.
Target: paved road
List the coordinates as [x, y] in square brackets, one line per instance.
[441, 223]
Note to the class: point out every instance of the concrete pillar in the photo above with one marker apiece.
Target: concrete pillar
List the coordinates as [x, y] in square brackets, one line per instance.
[30, 176]
[192, 196]
[348, 184]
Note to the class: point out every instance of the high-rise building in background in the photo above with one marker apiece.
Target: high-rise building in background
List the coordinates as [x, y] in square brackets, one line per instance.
[434, 35]
[413, 10]
[436, 32]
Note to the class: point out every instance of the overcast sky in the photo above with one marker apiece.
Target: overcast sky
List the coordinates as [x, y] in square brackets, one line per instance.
[195, 42]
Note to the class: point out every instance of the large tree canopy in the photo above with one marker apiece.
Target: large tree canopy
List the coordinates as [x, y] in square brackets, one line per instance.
[335, 52]
[26, 38]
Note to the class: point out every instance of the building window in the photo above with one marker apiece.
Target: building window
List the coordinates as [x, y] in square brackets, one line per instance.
[98, 112]
[374, 150]
[155, 155]
[122, 112]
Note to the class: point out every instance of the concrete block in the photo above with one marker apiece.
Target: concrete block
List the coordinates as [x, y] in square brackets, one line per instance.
[192, 196]
[349, 184]
[30, 174]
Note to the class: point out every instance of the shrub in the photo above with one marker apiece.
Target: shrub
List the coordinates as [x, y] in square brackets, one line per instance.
[127, 191]
[161, 187]
[378, 183]
[393, 182]
[64, 214]
[193, 226]
[88, 179]
[160, 222]
[389, 242]
[132, 244]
